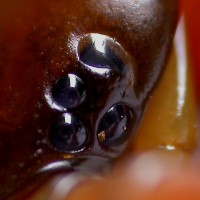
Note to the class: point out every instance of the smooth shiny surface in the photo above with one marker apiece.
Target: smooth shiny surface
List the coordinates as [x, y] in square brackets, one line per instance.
[115, 126]
[161, 123]
[67, 133]
[144, 172]
[102, 55]
[170, 122]
[39, 44]
[69, 91]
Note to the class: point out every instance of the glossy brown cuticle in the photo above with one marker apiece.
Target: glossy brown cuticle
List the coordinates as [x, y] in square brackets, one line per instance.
[115, 49]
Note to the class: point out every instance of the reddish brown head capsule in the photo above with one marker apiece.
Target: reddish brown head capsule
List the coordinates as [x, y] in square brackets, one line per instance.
[75, 76]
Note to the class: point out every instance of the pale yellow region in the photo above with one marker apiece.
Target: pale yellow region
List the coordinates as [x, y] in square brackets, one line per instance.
[170, 120]
[68, 156]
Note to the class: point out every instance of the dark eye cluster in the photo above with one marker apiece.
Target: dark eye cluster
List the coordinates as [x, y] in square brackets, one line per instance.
[67, 132]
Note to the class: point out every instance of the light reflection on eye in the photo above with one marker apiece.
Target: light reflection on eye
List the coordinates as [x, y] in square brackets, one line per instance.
[68, 119]
[51, 102]
[101, 71]
[101, 54]
[99, 42]
[73, 81]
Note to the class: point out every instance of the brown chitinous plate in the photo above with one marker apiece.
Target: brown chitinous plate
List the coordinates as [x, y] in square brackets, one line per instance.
[75, 77]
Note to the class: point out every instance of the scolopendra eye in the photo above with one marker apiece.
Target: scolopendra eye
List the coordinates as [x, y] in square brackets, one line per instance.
[101, 54]
[67, 133]
[114, 127]
[69, 91]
